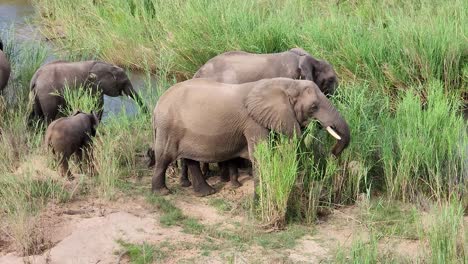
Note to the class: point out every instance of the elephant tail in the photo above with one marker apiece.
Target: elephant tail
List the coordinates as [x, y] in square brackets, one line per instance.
[48, 136]
[153, 150]
[36, 108]
[36, 111]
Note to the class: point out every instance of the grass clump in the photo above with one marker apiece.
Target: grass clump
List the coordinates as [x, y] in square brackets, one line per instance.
[119, 142]
[80, 98]
[276, 168]
[446, 235]
[22, 196]
[172, 215]
[142, 253]
[391, 219]
[424, 146]
[220, 204]
[360, 252]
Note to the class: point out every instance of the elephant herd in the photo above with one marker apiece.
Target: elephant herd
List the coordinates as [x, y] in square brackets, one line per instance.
[232, 102]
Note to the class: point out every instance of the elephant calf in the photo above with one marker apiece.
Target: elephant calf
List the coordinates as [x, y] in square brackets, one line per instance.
[5, 68]
[71, 135]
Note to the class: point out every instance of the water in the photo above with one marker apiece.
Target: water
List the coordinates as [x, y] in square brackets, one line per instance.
[17, 13]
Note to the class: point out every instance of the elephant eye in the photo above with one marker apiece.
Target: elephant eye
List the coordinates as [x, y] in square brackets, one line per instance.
[313, 108]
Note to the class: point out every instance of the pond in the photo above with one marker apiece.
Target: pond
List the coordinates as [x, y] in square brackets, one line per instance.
[17, 13]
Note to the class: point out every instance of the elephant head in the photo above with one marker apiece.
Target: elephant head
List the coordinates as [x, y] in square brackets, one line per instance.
[286, 106]
[319, 71]
[113, 81]
[93, 121]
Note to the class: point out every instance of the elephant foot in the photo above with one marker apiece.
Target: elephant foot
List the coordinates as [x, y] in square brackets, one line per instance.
[204, 190]
[185, 183]
[161, 191]
[235, 184]
[225, 178]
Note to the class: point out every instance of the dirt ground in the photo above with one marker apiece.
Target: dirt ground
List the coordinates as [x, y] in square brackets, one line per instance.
[88, 230]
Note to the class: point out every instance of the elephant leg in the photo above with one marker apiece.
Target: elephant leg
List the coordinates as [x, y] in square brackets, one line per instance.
[234, 174]
[150, 154]
[50, 109]
[64, 170]
[205, 169]
[224, 170]
[200, 186]
[249, 171]
[158, 182]
[254, 135]
[184, 180]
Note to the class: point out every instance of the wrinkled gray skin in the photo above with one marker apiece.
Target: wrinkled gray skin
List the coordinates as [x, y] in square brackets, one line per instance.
[201, 120]
[5, 68]
[96, 75]
[240, 67]
[71, 135]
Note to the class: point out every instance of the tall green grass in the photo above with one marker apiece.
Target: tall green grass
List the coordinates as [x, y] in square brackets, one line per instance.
[446, 234]
[80, 98]
[392, 44]
[276, 167]
[16, 141]
[424, 146]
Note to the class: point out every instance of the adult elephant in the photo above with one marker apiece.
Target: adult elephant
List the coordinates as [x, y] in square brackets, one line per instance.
[5, 68]
[203, 120]
[240, 67]
[100, 76]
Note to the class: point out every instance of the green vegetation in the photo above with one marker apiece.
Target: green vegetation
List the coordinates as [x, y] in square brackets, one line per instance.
[391, 219]
[145, 253]
[276, 169]
[81, 99]
[391, 44]
[221, 205]
[403, 77]
[446, 235]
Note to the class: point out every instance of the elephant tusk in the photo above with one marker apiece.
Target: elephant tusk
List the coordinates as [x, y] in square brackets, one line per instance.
[333, 132]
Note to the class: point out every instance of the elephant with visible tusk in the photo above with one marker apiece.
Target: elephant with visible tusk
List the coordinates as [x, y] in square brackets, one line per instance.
[5, 68]
[238, 67]
[201, 120]
[52, 77]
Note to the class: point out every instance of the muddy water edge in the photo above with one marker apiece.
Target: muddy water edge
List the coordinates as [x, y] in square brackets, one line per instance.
[17, 14]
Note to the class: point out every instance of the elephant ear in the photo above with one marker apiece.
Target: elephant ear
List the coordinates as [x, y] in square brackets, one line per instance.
[270, 106]
[94, 120]
[306, 67]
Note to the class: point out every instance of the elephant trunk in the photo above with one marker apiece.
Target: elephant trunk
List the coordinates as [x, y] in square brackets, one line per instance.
[130, 92]
[336, 125]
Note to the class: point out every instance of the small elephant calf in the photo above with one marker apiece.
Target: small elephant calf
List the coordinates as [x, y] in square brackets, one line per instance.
[71, 135]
